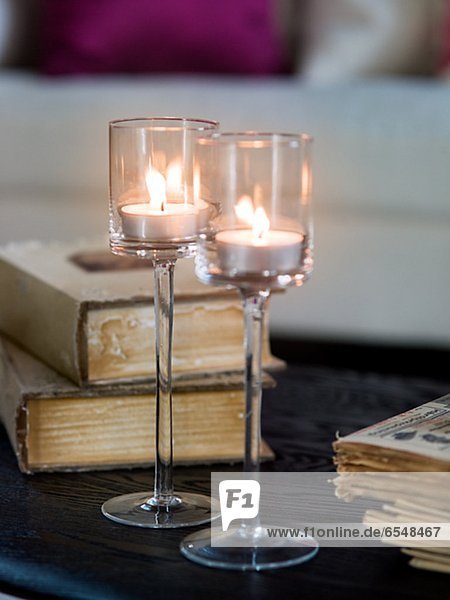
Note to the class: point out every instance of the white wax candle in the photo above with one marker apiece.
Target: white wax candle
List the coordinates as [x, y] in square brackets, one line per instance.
[142, 221]
[240, 251]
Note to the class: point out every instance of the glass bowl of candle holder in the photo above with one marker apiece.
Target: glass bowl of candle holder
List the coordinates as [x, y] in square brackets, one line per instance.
[155, 214]
[259, 238]
[154, 204]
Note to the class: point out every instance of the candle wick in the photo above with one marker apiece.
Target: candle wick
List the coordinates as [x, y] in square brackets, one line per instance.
[162, 206]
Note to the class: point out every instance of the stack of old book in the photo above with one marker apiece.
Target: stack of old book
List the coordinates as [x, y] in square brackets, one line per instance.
[77, 361]
[404, 462]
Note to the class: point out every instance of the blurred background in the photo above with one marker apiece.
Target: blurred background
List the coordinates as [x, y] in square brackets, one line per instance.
[369, 79]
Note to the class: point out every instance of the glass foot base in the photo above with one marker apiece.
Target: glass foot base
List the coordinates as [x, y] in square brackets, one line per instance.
[197, 547]
[138, 510]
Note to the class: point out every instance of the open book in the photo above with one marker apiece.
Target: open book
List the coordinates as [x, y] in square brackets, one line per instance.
[404, 462]
[416, 440]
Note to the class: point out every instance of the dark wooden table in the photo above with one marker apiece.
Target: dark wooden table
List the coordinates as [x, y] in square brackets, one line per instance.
[55, 542]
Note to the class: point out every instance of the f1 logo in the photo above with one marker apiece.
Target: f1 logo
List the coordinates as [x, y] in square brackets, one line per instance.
[239, 499]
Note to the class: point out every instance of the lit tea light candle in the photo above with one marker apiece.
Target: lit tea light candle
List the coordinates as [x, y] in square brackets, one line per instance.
[159, 220]
[175, 221]
[260, 248]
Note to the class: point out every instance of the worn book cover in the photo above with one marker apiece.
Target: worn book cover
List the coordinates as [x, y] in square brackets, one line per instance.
[89, 314]
[54, 425]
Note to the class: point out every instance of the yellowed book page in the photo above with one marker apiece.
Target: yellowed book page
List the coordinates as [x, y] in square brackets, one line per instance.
[419, 491]
[430, 565]
[208, 427]
[373, 459]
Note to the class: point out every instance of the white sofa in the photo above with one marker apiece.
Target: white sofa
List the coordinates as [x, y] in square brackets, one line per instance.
[381, 179]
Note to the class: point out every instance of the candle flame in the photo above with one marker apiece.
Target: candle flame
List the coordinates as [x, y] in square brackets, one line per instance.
[261, 223]
[174, 178]
[244, 210]
[256, 219]
[156, 187]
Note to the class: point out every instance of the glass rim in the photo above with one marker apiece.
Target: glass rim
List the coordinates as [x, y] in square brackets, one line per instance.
[189, 123]
[255, 139]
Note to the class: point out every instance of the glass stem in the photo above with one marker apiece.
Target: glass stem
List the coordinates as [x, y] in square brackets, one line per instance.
[163, 300]
[254, 303]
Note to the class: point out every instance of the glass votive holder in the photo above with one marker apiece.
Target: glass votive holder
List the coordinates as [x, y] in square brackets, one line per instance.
[259, 192]
[154, 193]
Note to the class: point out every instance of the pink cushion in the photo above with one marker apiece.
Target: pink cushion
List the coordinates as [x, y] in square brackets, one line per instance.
[137, 36]
[445, 45]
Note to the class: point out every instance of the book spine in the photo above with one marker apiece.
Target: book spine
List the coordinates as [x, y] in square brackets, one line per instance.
[42, 319]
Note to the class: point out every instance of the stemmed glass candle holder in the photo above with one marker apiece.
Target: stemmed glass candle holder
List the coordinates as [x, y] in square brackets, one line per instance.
[155, 213]
[259, 238]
